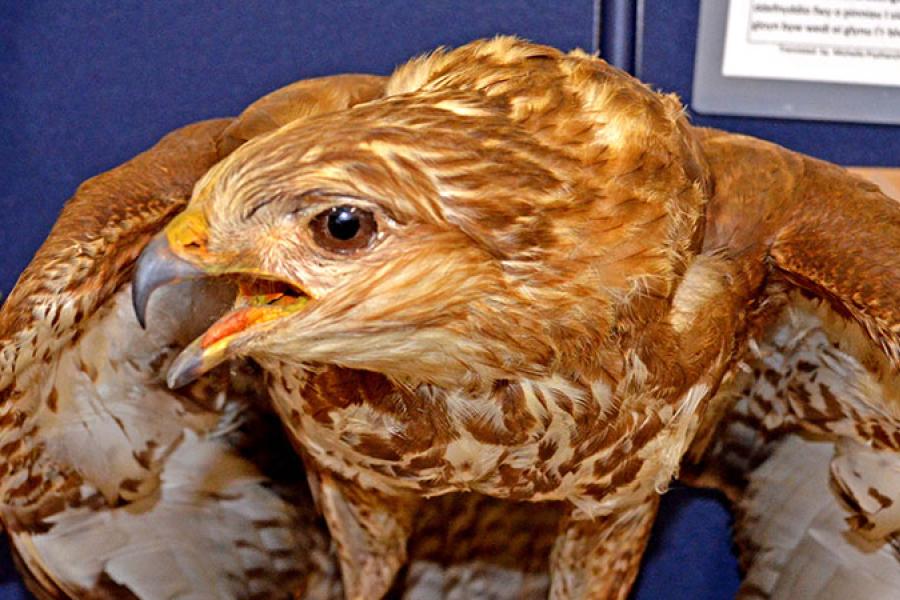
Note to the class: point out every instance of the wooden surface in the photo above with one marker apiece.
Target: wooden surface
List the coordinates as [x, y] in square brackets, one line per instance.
[888, 179]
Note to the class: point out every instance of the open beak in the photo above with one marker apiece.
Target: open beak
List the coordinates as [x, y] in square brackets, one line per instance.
[178, 254]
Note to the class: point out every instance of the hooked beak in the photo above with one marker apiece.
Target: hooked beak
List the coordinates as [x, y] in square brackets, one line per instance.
[178, 254]
[160, 264]
[157, 266]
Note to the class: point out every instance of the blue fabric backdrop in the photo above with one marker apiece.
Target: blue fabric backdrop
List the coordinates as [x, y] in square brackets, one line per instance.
[84, 86]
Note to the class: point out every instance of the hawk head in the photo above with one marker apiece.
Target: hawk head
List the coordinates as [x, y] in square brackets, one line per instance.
[491, 215]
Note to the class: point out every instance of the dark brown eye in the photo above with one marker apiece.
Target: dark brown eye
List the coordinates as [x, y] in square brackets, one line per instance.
[344, 229]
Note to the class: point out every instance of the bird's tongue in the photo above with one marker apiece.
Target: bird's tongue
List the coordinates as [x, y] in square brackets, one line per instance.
[250, 311]
[231, 324]
[257, 301]
[253, 306]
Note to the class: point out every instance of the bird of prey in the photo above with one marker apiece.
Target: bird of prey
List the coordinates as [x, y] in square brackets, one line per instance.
[496, 301]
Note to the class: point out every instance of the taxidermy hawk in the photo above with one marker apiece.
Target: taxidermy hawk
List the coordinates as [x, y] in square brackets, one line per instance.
[494, 303]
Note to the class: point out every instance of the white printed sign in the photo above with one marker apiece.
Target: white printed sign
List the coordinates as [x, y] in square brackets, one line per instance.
[839, 41]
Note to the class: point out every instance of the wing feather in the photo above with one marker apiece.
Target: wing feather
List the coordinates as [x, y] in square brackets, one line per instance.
[809, 448]
[794, 537]
[111, 485]
[819, 227]
[301, 100]
[116, 487]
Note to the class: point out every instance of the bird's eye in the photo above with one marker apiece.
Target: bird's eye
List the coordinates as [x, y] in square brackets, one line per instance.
[344, 229]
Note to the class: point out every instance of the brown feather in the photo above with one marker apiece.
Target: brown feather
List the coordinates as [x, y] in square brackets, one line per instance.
[564, 275]
[566, 289]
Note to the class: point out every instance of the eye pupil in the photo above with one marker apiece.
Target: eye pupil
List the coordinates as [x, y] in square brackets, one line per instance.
[344, 229]
[343, 223]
